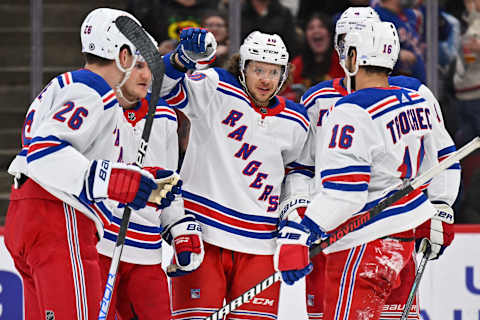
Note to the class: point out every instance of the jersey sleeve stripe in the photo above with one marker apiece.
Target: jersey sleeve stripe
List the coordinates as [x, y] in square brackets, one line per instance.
[41, 147]
[132, 243]
[349, 169]
[445, 153]
[135, 234]
[345, 187]
[348, 178]
[177, 98]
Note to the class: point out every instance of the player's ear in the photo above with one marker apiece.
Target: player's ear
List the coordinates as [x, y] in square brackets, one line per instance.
[124, 56]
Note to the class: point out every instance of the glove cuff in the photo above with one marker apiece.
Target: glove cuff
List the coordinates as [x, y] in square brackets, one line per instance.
[97, 178]
[444, 213]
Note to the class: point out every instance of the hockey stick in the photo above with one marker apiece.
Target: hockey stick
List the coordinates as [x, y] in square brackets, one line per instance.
[352, 225]
[135, 33]
[416, 282]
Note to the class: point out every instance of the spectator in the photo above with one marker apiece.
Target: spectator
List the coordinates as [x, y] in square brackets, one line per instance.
[317, 61]
[165, 18]
[269, 16]
[217, 23]
[467, 75]
[406, 20]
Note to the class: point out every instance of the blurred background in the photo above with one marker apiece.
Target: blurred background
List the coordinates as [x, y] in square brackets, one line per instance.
[440, 45]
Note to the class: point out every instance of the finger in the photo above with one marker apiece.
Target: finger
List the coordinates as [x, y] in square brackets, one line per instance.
[201, 44]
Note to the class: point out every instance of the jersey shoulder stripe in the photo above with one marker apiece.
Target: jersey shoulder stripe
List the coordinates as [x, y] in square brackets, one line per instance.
[227, 77]
[233, 91]
[321, 90]
[91, 80]
[405, 82]
[295, 112]
[379, 101]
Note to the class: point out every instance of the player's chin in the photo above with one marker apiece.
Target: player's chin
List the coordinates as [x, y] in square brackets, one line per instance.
[141, 92]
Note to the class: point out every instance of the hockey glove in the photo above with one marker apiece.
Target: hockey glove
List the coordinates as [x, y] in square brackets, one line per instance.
[187, 245]
[294, 208]
[124, 183]
[197, 48]
[169, 185]
[291, 256]
[438, 231]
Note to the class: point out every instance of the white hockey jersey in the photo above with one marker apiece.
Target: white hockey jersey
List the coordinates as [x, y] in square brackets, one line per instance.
[318, 100]
[72, 121]
[236, 157]
[143, 242]
[323, 96]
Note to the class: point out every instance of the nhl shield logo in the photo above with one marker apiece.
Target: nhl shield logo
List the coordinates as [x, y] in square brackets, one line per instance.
[310, 300]
[195, 293]
[49, 315]
[131, 116]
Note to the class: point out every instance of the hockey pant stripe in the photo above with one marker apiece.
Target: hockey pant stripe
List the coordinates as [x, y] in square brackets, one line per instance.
[348, 281]
[76, 261]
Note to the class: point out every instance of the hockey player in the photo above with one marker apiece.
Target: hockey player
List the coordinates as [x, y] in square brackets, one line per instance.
[65, 170]
[141, 289]
[242, 138]
[442, 191]
[328, 93]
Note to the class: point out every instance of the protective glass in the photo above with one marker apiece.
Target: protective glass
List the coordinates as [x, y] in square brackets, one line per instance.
[270, 73]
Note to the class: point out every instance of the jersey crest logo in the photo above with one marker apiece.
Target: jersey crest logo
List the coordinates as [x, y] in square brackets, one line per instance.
[131, 116]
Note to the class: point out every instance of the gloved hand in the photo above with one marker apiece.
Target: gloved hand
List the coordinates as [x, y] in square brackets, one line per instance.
[187, 245]
[169, 184]
[294, 208]
[291, 256]
[127, 184]
[196, 49]
[438, 231]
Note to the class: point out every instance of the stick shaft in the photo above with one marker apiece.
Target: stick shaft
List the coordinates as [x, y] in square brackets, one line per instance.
[416, 282]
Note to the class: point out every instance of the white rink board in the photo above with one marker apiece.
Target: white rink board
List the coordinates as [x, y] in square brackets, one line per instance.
[450, 288]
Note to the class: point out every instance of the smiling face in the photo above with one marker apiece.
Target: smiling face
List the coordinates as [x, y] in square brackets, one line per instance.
[317, 35]
[138, 83]
[262, 80]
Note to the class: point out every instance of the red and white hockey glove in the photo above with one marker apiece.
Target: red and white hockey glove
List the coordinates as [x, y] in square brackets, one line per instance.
[185, 236]
[291, 256]
[168, 184]
[438, 231]
[294, 208]
[121, 182]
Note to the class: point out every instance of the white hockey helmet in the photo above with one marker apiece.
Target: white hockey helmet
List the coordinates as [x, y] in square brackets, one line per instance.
[101, 37]
[264, 47]
[376, 43]
[351, 17]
